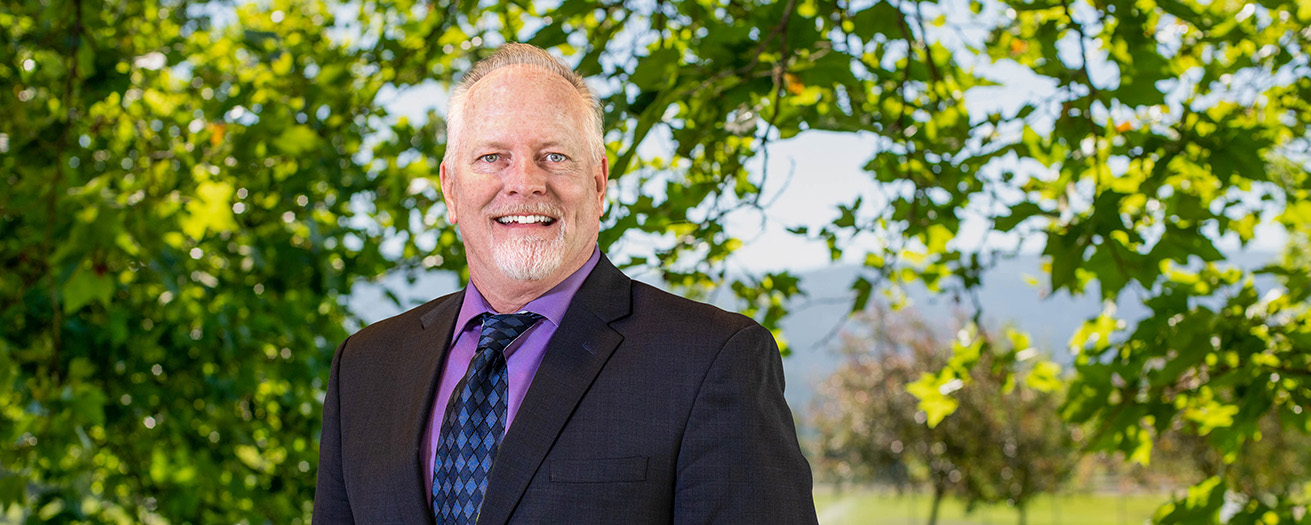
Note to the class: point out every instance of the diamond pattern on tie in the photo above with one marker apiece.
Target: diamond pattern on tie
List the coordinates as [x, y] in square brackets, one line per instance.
[475, 423]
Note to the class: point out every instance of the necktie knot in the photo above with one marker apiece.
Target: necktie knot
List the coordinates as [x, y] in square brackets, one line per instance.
[499, 330]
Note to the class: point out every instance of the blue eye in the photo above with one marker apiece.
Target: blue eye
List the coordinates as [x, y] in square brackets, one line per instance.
[490, 157]
[556, 157]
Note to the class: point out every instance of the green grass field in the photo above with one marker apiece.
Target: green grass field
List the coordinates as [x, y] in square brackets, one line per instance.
[861, 506]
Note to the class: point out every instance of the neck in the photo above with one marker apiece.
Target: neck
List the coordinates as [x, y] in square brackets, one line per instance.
[513, 296]
[507, 295]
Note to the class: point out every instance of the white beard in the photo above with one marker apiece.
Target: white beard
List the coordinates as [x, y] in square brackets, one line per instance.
[530, 258]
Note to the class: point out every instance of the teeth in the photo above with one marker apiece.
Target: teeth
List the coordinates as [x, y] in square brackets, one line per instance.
[525, 219]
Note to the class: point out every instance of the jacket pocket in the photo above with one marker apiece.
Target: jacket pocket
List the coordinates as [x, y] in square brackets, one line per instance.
[598, 470]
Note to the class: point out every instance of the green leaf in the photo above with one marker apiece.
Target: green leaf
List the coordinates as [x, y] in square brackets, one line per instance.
[879, 19]
[84, 287]
[653, 71]
[1019, 213]
[1045, 377]
[297, 140]
[1066, 252]
[549, 36]
[936, 404]
[863, 288]
[210, 210]
[937, 238]
[13, 489]
[1200, 505]
[1211, 415]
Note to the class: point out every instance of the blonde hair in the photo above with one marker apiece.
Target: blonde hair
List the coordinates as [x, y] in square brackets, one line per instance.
[522, 54]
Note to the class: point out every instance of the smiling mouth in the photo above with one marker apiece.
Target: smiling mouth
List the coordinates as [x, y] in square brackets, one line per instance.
[525, 219]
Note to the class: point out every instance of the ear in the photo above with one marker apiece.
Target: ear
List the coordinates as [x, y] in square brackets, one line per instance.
[602, 178]
[448, 193]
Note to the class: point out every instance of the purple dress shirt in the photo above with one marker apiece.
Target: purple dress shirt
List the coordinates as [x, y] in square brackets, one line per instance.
[522, 357]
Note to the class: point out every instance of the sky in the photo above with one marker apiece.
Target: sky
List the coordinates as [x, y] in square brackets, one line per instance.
[826, 171]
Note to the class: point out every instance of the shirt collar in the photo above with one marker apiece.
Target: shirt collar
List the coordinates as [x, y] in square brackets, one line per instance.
[552, 305]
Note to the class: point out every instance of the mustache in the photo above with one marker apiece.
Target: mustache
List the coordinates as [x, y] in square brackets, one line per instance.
[524, 208]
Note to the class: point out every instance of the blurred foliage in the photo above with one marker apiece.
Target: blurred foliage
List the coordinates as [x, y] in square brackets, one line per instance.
[1274, 464]
[180, 223]
[1004, 441]
[191, 188]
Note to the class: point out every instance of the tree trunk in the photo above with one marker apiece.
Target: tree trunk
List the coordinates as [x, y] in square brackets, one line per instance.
[1024, 516]
[937, 502]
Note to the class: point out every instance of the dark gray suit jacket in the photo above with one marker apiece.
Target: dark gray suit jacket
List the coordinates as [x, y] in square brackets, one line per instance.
[647, 408]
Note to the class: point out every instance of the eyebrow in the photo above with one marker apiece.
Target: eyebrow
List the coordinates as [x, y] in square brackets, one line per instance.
[484, 144]
[496, 144]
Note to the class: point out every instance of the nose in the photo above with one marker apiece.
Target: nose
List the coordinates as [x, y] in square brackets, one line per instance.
[525, 177]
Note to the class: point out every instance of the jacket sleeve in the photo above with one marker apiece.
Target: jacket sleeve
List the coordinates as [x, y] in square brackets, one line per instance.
[331, 504]
[739, 461]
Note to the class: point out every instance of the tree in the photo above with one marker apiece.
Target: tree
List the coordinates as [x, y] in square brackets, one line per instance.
[1004, 442]
[181, 224]
[192, 187]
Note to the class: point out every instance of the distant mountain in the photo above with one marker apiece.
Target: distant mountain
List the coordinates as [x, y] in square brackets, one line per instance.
[1006, 297]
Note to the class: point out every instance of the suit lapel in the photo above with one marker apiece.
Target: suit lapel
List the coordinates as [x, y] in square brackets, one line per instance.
[575, 355]
[425, 350]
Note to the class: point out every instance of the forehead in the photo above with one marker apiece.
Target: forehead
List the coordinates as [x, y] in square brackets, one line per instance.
[524, 92]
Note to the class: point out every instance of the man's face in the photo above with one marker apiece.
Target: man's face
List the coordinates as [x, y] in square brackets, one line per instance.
[523, 186]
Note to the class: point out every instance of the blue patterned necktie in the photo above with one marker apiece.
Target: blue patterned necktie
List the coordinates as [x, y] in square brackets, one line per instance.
[475, 423]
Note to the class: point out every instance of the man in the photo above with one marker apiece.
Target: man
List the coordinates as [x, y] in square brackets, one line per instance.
[552, 389]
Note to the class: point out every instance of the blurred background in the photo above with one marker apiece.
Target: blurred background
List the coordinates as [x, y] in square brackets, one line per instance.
[1029, 261]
